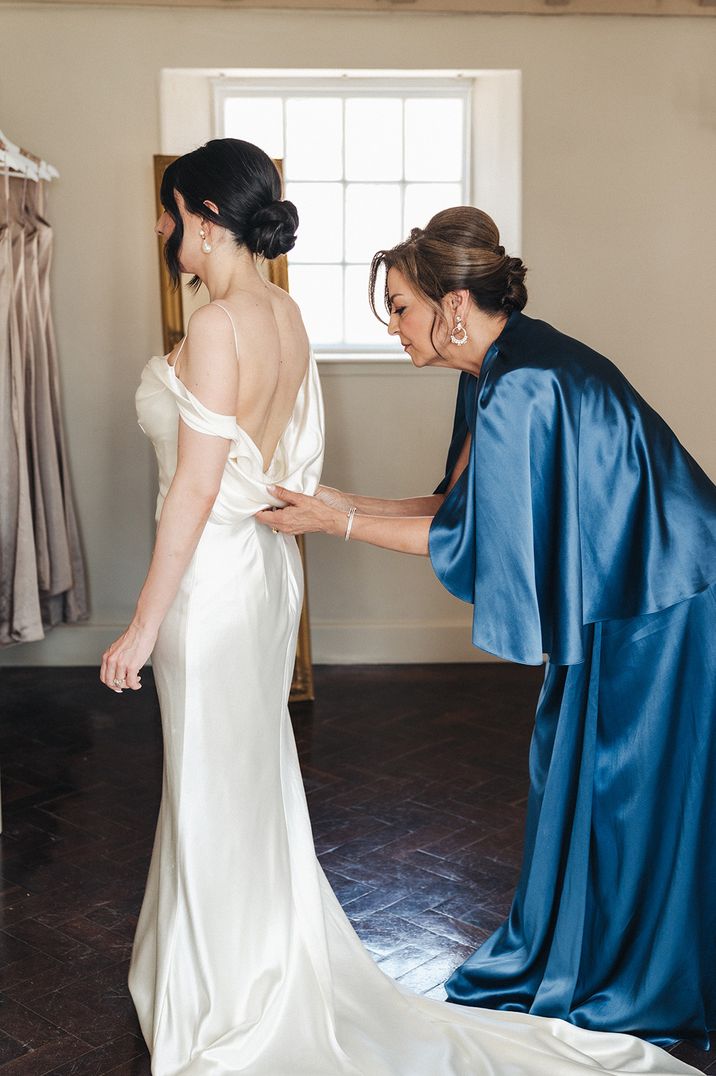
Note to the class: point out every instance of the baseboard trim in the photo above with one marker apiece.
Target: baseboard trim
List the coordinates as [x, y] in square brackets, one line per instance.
[334, 642]
[67, 644]
[401, 642]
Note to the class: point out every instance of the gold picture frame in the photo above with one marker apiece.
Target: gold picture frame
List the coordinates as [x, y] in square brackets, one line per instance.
[173, 329]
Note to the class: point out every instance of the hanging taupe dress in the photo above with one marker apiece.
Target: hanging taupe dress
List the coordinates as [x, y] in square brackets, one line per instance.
[42, 579]
[20, 616]
[66, 593]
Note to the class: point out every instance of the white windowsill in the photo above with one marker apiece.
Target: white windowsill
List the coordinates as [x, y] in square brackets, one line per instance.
[329, 355]
[373, 364]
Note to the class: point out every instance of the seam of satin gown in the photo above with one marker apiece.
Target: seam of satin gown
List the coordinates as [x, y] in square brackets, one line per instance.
[579, 507]
[285, 716]
[178, 865]
[581, 822]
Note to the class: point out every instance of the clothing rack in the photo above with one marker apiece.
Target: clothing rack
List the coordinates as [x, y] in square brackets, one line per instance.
[43, 576]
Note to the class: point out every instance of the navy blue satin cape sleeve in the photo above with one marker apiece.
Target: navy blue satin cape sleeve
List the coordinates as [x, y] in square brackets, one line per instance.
[578, 503]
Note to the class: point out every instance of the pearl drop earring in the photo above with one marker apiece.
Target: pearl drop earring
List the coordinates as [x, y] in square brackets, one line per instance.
[206, 245]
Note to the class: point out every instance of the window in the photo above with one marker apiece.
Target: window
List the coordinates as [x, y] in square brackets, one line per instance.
[364, 160]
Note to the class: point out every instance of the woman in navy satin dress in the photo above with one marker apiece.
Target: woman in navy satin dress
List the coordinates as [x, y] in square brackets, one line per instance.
[580, 528]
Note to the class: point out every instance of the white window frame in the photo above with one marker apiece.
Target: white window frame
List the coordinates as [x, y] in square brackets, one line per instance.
[455, 87]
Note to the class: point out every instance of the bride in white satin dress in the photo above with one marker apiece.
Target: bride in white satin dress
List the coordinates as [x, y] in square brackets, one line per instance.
[244, 961]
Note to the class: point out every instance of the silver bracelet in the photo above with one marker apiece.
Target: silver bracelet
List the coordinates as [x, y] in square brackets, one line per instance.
[349, 525]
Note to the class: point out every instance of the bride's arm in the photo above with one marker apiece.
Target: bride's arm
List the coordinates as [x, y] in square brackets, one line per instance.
[185, 511]
[209, 370]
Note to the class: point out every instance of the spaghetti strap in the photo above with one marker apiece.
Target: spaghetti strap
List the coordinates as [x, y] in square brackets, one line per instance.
[233, 326]
[176, 357]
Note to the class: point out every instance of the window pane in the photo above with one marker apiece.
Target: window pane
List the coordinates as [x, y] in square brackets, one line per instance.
[373, 219]
[434, 137]
[256, 119]
[374, 138]
[362, 327]
[318, 290]
[320, 221]
[362, 172]
[424, 200]
[314, 138]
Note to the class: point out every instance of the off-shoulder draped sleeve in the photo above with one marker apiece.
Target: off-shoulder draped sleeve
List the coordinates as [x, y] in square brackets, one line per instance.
[578, 503]
[162, 400]
[200, 418]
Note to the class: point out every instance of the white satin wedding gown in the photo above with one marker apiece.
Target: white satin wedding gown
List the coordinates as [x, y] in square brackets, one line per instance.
[243, 960]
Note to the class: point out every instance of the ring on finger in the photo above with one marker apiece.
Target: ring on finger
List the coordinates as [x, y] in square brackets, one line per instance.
[118, 683]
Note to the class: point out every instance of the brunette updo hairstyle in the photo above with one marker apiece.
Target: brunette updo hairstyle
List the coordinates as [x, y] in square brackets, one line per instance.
[459, 249]
[244, 183]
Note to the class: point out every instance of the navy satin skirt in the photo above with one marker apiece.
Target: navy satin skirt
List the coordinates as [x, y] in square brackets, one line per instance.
[613, 926]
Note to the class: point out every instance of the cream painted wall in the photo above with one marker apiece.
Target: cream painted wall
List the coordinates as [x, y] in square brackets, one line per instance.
[618, 229]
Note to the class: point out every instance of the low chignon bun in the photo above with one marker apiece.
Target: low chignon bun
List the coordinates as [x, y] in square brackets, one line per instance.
[467, 246]
[272, 229]
[515, 293]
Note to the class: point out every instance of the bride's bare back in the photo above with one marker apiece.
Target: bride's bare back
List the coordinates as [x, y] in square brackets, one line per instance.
[259, 359]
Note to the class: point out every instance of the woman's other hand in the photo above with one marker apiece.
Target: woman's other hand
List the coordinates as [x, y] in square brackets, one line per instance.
[122, 660]
[302, 514]
[334, 498]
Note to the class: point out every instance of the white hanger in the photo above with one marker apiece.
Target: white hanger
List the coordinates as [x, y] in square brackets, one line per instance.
[10, 155]
[32, 165]
[26, 163]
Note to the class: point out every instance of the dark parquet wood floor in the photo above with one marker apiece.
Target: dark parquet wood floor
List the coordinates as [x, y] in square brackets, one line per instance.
[416, 779]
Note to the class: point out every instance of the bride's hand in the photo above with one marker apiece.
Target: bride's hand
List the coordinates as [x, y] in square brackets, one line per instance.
[334, 498]
[122, 660]
[302, 514]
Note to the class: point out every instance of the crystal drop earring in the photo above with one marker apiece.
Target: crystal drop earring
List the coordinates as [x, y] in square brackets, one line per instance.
[459, 334]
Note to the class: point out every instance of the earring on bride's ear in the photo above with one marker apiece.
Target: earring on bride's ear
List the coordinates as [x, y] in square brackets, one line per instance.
[206, 245]
[459, 334]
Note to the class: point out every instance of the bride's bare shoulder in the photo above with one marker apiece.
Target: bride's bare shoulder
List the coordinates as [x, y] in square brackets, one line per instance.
[282, 301]
[208, 332]
[260, 313]
[261, 300]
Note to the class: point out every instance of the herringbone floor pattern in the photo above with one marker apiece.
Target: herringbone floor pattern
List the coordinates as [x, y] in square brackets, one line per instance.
[416, 779]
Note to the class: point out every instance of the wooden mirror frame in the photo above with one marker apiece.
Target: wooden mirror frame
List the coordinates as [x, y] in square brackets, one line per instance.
[172, 331]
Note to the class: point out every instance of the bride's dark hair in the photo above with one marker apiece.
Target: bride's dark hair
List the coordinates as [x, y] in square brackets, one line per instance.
[244, 183]
[459, 248]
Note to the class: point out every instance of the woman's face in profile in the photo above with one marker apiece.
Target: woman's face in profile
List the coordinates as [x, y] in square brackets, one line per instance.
[191, 240]
[165, 225]
[411, 319]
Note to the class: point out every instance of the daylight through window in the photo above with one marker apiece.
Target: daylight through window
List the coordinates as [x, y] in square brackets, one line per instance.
[363, 164]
